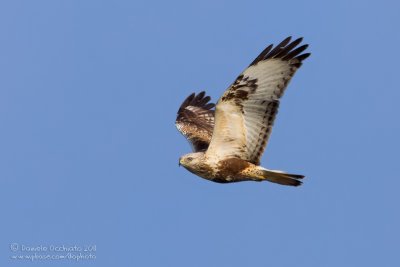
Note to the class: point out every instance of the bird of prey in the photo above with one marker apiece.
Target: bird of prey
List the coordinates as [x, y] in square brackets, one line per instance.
[228, 142]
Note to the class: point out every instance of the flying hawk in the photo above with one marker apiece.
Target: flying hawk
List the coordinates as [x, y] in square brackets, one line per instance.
[228, 142]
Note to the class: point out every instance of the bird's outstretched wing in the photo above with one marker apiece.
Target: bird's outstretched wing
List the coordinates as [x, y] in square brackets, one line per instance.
[246, 111]
[195, 120]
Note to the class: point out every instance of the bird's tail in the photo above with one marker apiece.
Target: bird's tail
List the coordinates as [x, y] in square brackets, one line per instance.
[282, 178]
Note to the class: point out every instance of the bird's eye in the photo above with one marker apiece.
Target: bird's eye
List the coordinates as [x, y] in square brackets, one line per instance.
[189, 158]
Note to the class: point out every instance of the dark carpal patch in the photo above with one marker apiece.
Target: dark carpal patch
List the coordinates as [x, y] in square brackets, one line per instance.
[240, 89]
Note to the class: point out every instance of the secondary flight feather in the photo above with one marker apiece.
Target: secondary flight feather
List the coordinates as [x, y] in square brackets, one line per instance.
[228, 142]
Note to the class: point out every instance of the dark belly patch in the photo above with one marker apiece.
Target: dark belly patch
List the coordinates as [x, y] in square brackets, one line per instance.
[231, 168]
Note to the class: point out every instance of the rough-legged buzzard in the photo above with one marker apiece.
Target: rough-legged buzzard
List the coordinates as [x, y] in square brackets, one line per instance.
[228, 142]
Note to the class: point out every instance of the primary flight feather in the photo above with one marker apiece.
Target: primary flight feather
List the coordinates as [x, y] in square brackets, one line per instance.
[228, 142]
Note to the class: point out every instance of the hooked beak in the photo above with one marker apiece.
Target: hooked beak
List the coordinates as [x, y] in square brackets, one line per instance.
[179, 163]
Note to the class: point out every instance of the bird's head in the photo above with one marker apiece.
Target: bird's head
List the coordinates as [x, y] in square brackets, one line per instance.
[191, 160]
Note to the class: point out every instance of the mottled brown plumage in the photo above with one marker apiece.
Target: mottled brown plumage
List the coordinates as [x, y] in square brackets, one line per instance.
[195, 120]
[229, 142]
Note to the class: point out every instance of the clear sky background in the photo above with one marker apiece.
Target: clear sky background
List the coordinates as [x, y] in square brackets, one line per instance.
[89, 152]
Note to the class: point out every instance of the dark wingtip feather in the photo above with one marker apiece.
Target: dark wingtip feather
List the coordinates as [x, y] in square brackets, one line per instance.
[262, 55]
[199, 96]
[199, 100]
[209, 106]
[204, 101]
[303, 56]
[289, 47]
[186, 102]
[295, 52]
[279, 48]
[285, 50]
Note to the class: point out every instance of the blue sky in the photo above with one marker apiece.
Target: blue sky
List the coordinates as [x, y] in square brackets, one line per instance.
[89, 153]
